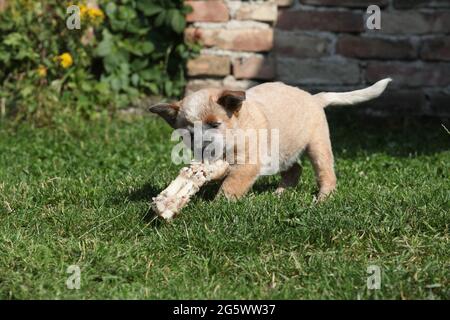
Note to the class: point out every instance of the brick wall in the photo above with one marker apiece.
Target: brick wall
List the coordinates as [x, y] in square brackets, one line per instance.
[324, 45]
[238, 40]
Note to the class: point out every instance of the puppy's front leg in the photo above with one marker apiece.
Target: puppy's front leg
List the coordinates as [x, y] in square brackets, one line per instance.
[239, 181]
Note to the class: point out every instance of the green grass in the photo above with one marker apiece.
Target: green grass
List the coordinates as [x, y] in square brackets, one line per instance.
[80, 195]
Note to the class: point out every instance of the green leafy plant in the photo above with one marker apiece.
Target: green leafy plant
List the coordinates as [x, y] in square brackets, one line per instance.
[142, 46]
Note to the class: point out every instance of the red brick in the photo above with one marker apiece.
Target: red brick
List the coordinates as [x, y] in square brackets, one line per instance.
[375, 48]
[436, 49]
[410, 74]
[266, 11]
[289, 43]
[209, 65]
[410, 4]
[414, 22]
[208, 11]
[254, 67]
[3, 4]
[346, 3]
[336, 21]
[245, 39]
[228, 82]
[284, 3]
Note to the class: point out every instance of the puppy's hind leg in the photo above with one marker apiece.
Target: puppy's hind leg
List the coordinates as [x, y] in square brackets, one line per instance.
[321, 156]
[289, 178]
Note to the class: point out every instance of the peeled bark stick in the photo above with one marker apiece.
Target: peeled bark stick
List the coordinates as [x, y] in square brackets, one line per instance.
[172, 199]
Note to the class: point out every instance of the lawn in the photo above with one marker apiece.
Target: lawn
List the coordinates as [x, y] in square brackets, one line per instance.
[79, 195]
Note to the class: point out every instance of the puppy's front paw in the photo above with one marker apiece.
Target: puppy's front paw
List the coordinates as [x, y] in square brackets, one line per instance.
[321, 197]
[227, 195]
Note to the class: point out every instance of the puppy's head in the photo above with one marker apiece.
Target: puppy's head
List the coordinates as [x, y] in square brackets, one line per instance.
[214, 109]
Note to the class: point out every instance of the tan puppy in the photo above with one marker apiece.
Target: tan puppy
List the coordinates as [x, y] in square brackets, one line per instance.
[297, 116]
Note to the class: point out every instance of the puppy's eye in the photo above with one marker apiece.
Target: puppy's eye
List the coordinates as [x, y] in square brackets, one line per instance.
[214, 124]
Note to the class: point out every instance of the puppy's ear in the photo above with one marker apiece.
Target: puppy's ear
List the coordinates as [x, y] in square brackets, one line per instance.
[232, 100]
[168, 111]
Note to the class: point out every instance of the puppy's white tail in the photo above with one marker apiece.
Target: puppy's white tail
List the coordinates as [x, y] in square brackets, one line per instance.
[353, 97]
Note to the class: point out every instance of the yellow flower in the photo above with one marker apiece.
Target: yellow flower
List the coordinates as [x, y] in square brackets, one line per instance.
[95, 14]
[83, 10]
[42, 71]
[65, 60]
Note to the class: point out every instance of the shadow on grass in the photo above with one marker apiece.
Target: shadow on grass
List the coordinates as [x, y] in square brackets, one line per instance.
[144, 193]
[353, 133]
[265, 184]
